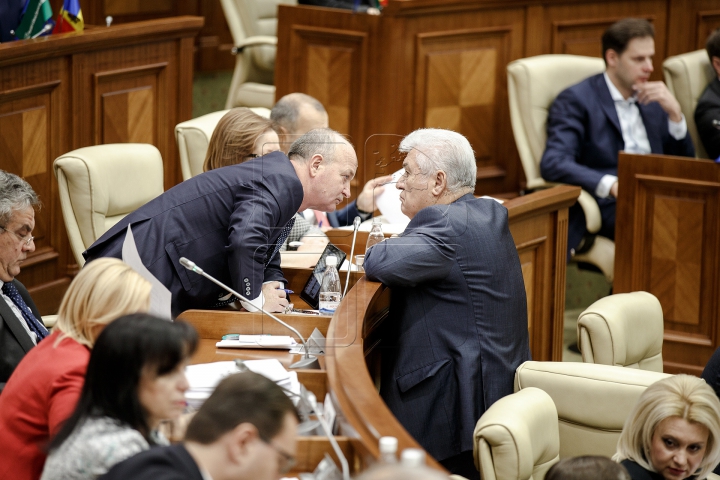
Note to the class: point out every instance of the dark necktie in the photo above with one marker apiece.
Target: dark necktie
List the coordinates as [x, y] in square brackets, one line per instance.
[35, 325]
[281, 239]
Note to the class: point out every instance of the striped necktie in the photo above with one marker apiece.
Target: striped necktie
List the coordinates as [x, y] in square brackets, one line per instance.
[35, 325]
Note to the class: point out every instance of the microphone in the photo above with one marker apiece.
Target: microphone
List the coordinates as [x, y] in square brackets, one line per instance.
[307, 361]
[356, 225]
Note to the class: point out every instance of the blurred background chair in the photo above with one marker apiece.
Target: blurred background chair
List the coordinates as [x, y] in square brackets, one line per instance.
[193, 138]
[625, 330]
[99, 185]
[533, 84]
[592, 401]
[517, 437]
[253, 25]
[686, 76]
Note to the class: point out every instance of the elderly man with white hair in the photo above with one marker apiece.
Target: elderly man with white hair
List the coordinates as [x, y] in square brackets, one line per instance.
[458, 314]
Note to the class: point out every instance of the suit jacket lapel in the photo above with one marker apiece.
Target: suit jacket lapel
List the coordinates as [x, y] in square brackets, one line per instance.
[607, 103]
[15, 327]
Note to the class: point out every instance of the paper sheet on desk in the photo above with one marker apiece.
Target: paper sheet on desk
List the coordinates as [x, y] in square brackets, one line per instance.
[259, 341]
[388, 202]
[160, 296]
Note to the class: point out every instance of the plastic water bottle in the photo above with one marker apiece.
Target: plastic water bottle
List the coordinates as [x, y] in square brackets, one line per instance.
[388, 449]
[330, 290]
[376, 234]
[412, 457]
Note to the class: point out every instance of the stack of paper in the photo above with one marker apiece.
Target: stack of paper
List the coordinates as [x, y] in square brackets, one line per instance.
[203, 378]
[280, 342]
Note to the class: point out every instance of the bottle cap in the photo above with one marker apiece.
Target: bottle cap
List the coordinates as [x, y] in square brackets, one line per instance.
[331, 261]
[388, 444]
[376, 220]
[412, 457]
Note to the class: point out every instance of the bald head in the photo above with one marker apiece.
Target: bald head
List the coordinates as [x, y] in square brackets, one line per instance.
[296, 114]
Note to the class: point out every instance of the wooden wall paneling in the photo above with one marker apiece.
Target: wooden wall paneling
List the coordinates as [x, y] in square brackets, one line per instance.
[690, 23]
[34, 129]
[129, 91]
[672, 233]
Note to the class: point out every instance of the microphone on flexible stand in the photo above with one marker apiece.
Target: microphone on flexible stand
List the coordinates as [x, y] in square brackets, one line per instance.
[356, 225]
[307, 361]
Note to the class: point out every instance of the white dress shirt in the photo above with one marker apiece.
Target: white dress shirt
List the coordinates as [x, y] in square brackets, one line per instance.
[633, 132]
[18, 314]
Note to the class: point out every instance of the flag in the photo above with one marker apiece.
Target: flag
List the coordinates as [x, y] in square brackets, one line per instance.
[36, 20]
[70, 18]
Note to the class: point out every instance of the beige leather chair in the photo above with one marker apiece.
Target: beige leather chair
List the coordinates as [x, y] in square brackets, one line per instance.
[625, 330]
[100, 185]
[686, 76]
[592, 401]
[517, 437]
[533, 84]
[253, 25]
[193, 138]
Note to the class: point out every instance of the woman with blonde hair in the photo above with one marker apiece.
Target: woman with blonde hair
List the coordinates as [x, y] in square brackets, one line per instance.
[673, 432]
[44, 388]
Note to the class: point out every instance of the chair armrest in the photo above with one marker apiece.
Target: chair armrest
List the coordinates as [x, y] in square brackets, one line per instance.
[253, 42]
[49, 321]
[593, 219]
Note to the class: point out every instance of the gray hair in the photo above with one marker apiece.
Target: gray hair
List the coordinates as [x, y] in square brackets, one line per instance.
[15, 194]
[320, 141]
[443, 150]
[400, 472]
[286, 110]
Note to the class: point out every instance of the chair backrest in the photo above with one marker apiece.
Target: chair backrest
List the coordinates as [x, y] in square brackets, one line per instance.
[249, 18]
[100, 185]
[533, 84]
[686, 76]
[193, 138]
[517, 437]
[592, 401]
[625, 330]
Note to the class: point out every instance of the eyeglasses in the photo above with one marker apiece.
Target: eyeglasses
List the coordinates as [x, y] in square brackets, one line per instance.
[287, 462]
[23, 238]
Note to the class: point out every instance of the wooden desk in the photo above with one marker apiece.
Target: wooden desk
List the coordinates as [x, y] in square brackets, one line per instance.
[126, 83]
[668, 244]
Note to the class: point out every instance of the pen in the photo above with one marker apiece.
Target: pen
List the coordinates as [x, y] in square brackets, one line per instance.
[288, 292]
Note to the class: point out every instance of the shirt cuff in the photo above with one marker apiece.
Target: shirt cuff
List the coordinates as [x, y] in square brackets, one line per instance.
[678, 130]
[256, 304]
[603, 188]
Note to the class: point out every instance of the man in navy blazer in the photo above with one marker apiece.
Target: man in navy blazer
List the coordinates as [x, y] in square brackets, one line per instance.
[457, 328]
[232, 221]
[589, 123]
[707, 112]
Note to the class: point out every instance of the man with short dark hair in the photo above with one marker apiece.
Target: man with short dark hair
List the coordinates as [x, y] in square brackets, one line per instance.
[21, 327]
[707, 112]
[589, 123]
[298, 113]
[246, 430]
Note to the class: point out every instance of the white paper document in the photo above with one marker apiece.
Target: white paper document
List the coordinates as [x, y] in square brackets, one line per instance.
[259, 341]
[388, 202]
[160, 296]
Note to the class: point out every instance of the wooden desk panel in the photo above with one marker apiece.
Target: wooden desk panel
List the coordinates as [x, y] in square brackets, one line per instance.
[668, 227]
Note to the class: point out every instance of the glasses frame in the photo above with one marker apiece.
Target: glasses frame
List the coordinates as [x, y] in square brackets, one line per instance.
[288, 461]
[26, 243]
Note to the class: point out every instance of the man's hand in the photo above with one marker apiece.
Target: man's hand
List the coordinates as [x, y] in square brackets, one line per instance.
[275, 297]
[371, 190]
[614, 190]
[658, 92]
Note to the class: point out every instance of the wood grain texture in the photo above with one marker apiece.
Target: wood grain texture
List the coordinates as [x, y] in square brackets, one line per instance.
[669, 209]
[59, 93]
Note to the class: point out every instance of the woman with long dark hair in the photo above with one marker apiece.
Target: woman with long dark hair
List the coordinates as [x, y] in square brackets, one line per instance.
[135, 379]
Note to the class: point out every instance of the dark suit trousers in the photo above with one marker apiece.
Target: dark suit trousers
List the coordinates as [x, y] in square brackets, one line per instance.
[576, 223]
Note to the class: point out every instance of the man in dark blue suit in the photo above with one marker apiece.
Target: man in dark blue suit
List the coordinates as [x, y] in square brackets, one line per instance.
[707, 112]
[296, 114]
[10, 16]
[232, 221]
[458, 315]
[589, 123]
